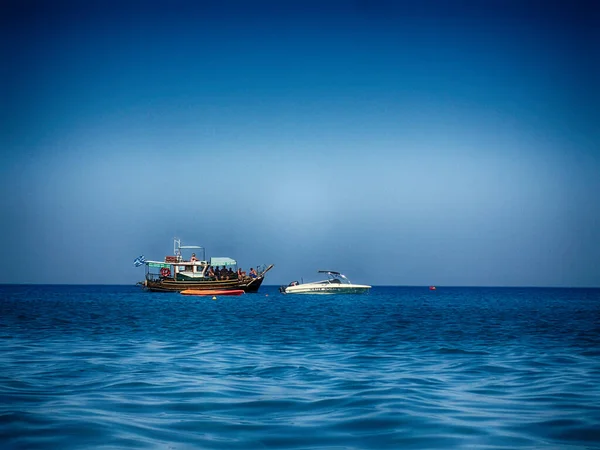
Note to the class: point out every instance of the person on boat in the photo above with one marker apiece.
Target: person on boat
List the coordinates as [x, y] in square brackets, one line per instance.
[239, 274]
[224, 275]
[211, 272]
[253, 273]
[193, 258]
[230, 274]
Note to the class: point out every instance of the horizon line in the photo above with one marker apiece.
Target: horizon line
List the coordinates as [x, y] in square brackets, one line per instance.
[375, 286]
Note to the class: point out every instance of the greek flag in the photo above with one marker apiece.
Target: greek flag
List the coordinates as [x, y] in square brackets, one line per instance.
[137, 262]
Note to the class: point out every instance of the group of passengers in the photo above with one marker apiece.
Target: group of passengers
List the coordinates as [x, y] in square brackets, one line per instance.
[226, 273]
[220, 274]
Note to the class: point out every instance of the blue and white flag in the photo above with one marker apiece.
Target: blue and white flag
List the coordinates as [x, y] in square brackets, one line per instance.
[140, 260]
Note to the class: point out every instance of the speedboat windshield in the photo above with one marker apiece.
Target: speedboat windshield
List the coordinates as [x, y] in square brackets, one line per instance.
[335, 277]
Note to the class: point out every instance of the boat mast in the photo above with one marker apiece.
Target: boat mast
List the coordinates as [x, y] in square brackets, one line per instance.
[176, 248]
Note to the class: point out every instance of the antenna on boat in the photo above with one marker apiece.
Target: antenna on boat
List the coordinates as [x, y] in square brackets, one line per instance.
[176, 248]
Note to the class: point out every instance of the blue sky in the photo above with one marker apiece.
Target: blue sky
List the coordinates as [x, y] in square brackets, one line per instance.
[403, 143]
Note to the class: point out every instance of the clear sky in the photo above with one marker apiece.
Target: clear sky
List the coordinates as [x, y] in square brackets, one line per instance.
[402, 143]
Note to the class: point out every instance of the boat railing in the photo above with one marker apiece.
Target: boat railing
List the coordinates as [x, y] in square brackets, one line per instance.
[262, 269]
[154, 276]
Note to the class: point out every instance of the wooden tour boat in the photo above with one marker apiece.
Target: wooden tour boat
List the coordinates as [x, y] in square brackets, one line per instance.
[176, 274]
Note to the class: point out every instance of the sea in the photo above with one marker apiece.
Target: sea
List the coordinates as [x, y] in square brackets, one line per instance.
[113, 367]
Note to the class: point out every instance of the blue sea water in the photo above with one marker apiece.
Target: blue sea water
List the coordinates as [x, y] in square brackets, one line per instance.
[478, 368]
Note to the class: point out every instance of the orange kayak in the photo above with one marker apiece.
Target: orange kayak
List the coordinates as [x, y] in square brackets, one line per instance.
[212, 292]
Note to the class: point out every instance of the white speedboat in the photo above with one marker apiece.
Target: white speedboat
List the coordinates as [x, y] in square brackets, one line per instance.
[336, 283]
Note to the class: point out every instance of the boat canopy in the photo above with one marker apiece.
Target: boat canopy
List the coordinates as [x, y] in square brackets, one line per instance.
[222, 261]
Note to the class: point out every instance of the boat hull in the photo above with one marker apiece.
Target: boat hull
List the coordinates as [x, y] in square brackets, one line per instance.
[326, 290]
[170, 285]
[211, 292]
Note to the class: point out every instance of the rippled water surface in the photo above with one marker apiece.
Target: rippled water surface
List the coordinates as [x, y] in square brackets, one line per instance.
[114, 367]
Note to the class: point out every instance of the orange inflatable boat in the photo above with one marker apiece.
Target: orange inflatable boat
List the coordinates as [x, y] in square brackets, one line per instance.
[212, 292]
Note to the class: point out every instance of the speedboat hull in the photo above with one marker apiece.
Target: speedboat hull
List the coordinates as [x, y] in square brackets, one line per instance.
[321, 289]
